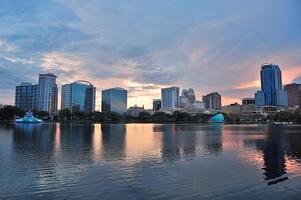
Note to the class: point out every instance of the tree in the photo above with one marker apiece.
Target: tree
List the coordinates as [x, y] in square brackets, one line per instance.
[145, 117]
[181, 116]
[9, 112]
[65, 114]
[115, 117]
[99, 116]
[161, 117]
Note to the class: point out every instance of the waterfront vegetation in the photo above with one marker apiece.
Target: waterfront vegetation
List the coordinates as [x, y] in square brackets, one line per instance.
[9, 113]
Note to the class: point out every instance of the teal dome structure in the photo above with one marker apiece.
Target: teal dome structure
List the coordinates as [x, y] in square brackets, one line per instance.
[28, 118]
[218, 118]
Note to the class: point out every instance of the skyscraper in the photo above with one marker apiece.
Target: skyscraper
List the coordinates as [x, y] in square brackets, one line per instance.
[78, 96]
[156, 104]
[213, 101]
[114, 100]
[170, 98]
[26, 96]
[271, 93]
[294, 94]
[47, 95]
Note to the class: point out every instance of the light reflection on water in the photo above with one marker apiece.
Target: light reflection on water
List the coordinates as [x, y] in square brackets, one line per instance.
[149, 161]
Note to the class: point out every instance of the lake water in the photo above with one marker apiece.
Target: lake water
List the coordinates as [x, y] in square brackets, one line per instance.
[150, 161]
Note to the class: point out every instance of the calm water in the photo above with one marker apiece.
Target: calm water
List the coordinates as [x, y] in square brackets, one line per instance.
[147, 161]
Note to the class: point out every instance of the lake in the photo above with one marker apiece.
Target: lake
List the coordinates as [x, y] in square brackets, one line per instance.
[150, 161]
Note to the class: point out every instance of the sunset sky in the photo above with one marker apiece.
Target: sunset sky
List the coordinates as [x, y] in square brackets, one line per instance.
[143, 45]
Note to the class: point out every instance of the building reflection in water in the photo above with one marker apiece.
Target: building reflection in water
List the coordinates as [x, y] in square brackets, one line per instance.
[141, 143]
[277, 148]
[63, 150]
[184, 141]
[113, 141]
[213, 138]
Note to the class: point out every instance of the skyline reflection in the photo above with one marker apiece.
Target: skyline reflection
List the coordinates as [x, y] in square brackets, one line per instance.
[49, 156]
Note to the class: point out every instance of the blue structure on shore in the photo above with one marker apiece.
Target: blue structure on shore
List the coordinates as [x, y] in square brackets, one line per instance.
[218, 118]
[28, 118]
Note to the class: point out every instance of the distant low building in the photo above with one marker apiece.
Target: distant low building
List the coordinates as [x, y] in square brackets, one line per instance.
[294, 94]
[232, 109]
[157, 104]
[135, 110]
[248, 105]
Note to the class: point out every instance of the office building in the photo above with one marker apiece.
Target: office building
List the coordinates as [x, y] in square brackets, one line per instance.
[135, 110]
[212, 101]
[170, 98]
[114, 100]
[271, 93]
[234, 109]
[156, 104]
[26, 96]
[47, 94]
[294, 94]
[248, 105]
[78, 96]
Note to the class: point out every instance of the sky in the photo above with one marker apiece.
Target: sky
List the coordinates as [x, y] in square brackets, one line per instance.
[142, 46]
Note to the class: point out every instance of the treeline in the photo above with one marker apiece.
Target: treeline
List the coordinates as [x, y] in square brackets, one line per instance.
[9, 113]
[145, 117]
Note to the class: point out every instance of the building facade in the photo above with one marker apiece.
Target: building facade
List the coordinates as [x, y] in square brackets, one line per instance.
[135, 110]
[114, 100]
[271, 93]
[170, 98]
[26, 96]
[234, 109]
[294, 94]
[248, 105]
[78, 96]
[212, 101]
[47, 94]
[156, 105]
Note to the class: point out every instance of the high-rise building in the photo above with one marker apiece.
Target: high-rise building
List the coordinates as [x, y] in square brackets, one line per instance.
[26, 96]
[170, 98]
[213, 101]
[47, 94]
[114, 100]
[78, 96]
[156, 104]
[272, 93]
[294, 94]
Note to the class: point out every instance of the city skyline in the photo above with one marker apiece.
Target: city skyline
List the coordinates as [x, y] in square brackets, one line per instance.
[145, 46]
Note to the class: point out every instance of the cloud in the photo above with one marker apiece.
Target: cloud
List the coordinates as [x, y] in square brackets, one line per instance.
[145, 45]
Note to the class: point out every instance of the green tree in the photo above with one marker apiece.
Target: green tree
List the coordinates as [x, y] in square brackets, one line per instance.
[161, 117]
[145, 117]
[9, 112]
[65, 114]
[99, 116]
[181, 116]
[115, 117]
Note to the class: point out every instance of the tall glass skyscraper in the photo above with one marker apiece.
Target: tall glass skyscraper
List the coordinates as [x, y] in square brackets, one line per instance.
[47, 96]
[114, 100]
[170, 97]
[272, 92]
[78, 96]
[26, 96]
